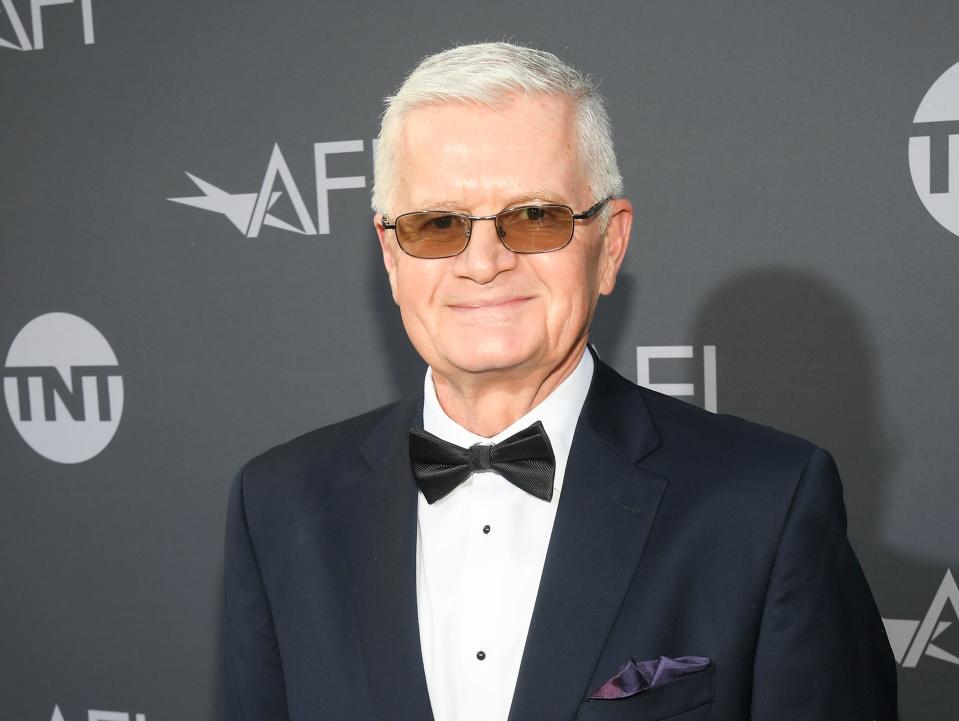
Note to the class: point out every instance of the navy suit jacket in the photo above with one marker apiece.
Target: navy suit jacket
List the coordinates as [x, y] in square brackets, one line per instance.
[678, 532]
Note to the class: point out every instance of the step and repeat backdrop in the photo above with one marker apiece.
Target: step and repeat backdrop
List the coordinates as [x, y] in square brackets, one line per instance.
[189, 275]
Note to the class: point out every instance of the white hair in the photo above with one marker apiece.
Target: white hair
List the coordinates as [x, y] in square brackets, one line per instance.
[490, 73]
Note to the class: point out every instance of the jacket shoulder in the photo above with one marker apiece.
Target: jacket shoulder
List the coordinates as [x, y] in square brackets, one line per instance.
[682, 423]
[318, 450]
[725, 462]
[688, 433]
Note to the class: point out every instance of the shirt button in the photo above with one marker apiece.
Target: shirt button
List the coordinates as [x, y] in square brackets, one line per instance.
[486, 528]
[481, 655]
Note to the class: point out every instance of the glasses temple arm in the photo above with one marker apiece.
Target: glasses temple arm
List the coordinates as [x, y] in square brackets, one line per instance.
[590, 212]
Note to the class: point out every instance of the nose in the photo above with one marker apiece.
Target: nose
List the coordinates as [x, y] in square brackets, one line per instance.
[485, 256]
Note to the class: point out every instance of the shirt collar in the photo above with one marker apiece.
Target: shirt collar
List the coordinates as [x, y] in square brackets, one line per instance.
[558, 413]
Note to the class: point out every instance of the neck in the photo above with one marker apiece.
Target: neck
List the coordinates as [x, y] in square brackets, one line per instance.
[486, 403]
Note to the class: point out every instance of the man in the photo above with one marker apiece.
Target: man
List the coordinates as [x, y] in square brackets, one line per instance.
[532, 536]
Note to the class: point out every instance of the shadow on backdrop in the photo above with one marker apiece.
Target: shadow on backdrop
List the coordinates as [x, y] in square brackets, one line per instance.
[794, 352]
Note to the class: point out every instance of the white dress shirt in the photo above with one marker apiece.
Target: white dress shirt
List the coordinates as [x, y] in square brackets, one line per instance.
[479, 558]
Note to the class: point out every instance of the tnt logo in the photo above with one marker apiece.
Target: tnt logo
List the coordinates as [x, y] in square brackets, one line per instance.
[36, 23]
[934, 150]
[646, 353]
[63, 388]
[911, 639]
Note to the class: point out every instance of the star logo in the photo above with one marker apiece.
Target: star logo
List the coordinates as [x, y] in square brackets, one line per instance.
[237, 207]
[249, 212]
[23, 41]
[911, 639]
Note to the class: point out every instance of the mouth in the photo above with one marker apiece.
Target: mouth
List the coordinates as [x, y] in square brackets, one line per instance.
[495, 304]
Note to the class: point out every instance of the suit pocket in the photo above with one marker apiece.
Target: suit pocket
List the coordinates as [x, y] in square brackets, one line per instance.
[687, 698]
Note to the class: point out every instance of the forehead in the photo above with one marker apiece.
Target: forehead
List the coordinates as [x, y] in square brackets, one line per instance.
[478, 155]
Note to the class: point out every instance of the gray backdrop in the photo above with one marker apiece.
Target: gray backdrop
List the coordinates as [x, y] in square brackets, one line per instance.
[785, 243]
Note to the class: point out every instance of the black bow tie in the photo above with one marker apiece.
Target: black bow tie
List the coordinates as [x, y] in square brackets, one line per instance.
[525, 459]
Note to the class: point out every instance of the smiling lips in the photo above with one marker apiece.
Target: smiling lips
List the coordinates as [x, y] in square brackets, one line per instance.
[503, 304]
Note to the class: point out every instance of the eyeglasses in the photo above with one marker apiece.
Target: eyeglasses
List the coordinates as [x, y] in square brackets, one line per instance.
[525, 229]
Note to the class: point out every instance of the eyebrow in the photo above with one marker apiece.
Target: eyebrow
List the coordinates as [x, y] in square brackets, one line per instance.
[544, 196]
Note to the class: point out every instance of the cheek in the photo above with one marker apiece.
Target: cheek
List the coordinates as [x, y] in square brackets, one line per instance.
[569, 312]
[573, 289]
[572, 285]
[416, 285]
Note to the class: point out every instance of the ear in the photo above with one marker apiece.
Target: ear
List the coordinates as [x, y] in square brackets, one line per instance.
[615, 243]
[390, 250]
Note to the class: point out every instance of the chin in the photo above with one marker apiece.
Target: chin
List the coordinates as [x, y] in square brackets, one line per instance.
[486, 357]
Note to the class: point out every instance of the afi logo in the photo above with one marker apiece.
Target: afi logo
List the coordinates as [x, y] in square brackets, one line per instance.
[93, 715]
[911, 639]
[646, 353]
[36, 23]
[934, 150]
[249, 212]
[63, 388]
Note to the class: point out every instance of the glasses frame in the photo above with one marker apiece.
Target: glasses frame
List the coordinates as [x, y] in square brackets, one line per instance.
[500, 233]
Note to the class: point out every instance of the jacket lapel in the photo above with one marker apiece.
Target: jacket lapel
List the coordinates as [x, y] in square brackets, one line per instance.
[605, 513]
[381, 526]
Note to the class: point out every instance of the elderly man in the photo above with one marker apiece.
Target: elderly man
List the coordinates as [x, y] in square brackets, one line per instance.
[531, 536]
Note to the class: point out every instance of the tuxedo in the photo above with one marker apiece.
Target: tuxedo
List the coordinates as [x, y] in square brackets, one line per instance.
[678, 533]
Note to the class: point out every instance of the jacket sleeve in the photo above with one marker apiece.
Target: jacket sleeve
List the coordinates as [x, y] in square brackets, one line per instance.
[821, 652]
[251, 671]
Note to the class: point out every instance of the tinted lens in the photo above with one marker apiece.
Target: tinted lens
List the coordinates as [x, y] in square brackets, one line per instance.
[536, 228]
[432, 234]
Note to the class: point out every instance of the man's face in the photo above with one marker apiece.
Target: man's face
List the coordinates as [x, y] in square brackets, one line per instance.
[489, 310]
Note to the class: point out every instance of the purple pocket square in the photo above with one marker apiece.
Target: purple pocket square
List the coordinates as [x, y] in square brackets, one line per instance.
[633, 677]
